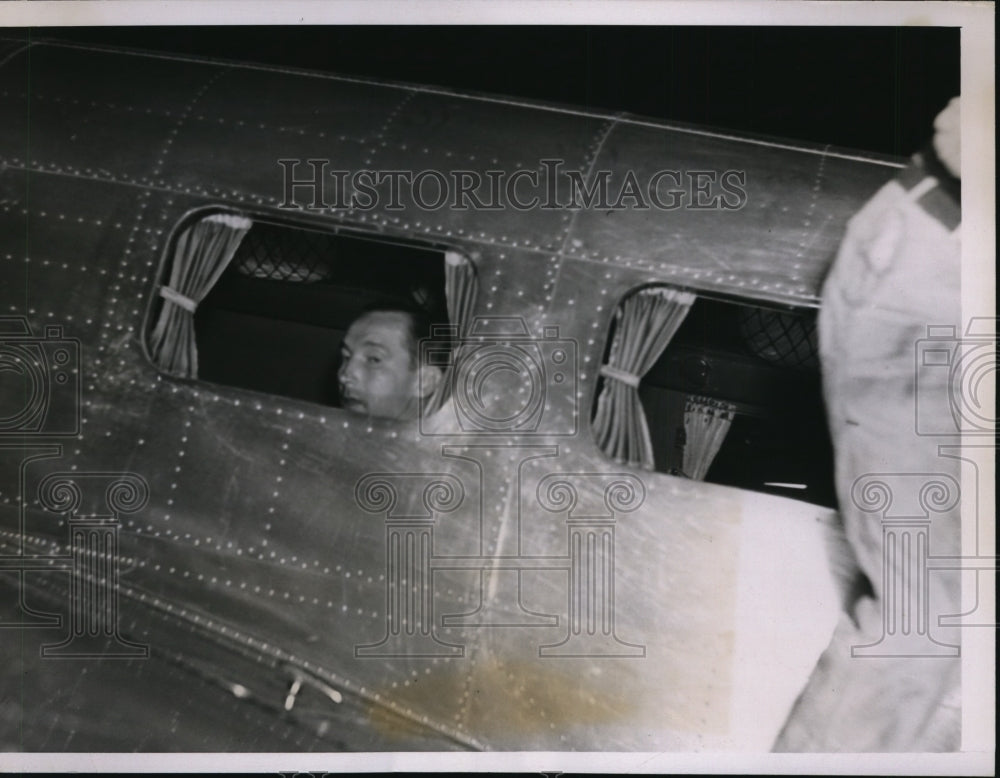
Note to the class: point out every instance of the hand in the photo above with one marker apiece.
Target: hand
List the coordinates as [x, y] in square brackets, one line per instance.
[948, 137]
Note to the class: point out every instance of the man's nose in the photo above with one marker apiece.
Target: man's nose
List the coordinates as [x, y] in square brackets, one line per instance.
[348, 371]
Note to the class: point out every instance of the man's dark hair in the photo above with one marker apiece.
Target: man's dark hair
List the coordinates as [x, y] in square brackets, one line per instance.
[420, 320]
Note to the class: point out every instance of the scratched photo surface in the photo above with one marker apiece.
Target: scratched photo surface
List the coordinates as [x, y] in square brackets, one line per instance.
[395, 389]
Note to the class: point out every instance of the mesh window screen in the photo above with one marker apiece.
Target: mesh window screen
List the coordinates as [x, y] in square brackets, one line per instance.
[783, 338]
[279, 254]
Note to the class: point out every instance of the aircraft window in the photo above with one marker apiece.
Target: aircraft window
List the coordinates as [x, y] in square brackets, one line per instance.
[265, 306]
[734, 397]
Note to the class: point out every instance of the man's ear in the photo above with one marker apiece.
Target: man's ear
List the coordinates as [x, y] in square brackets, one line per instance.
[430, 378]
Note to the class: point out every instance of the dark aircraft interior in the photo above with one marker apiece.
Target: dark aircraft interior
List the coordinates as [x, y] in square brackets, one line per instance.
[764, 362]
[275, 320]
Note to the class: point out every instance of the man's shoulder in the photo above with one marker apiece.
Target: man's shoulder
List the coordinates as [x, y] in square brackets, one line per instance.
[442, 422]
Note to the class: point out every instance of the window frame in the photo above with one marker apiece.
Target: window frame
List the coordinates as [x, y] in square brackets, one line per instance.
[320, 225]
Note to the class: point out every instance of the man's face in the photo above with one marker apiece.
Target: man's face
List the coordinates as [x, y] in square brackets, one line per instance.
[378, 375]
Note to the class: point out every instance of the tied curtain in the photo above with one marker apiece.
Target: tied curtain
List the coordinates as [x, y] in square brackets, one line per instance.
[706, 422]
[645, 322]
[201, 255]
[460, 294]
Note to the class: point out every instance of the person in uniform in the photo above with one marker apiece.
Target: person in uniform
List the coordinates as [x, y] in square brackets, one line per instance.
[890, 678]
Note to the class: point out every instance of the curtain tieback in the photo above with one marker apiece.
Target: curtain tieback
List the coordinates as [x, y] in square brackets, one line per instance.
[629, 379]
[172, 295]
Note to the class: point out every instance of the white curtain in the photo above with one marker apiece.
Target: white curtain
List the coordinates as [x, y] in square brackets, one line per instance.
[201, 255]
[706, 422]
[460, 293]
[644, 324]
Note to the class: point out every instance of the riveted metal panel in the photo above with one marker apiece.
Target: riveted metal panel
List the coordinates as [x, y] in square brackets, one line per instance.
[94, 115]
[14, 85]
[62, 255]
[131, 82]
[774, 241]
[449, 135]
[288, 116]
[10, 47]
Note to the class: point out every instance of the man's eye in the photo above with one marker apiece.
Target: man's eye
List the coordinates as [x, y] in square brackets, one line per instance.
[374, 360]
